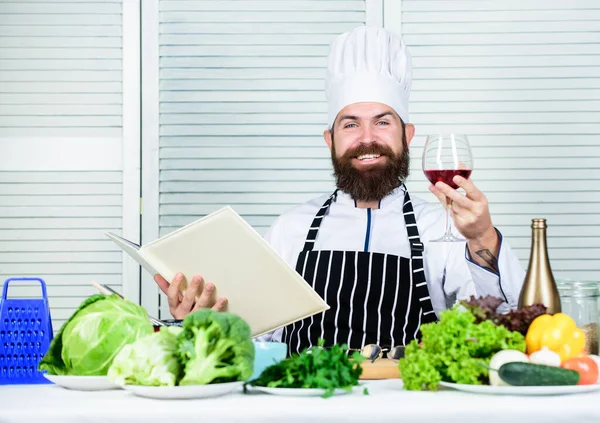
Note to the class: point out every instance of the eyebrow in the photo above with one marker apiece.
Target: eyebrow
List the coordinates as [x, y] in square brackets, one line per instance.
[352, 117]
[348, 117]
[379, 116]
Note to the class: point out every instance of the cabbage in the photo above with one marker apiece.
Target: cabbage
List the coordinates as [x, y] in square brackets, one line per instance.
[88, 342]
[149, 361]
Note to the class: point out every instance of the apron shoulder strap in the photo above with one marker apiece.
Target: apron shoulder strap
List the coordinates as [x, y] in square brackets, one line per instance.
[418, 271]
[316, 223]
[416, 246]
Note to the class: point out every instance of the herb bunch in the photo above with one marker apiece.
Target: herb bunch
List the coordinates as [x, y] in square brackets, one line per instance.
[316, 367]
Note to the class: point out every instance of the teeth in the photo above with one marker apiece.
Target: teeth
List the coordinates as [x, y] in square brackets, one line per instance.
[368, 156]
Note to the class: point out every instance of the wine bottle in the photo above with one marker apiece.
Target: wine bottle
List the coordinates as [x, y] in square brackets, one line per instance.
[539, 286]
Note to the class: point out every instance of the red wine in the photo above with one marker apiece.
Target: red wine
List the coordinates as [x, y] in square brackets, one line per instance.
[446, 175]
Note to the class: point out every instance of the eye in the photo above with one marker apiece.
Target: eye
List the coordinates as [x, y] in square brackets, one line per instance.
[383, 122]
[350, 125]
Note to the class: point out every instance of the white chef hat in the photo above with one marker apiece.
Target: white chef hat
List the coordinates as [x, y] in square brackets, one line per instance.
[368, 64]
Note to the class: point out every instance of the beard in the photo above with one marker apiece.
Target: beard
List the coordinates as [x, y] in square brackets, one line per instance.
[378, 180]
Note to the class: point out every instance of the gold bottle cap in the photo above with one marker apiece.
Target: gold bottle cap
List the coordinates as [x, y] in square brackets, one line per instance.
[538, 223]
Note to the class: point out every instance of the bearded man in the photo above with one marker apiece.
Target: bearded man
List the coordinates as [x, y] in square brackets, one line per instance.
[365, 248]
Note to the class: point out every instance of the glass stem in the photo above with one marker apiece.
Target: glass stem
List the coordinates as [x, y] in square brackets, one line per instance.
[448, 205]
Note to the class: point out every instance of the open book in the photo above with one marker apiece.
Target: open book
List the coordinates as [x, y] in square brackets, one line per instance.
[225, 250]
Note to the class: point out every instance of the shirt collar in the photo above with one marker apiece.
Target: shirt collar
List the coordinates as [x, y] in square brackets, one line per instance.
[398, 193]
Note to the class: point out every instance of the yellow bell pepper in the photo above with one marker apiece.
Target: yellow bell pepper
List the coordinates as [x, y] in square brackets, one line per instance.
[558, 333]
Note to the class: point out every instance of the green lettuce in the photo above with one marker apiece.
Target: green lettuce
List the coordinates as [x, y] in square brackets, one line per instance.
[149, 361]
[455, 349]
[88, 342]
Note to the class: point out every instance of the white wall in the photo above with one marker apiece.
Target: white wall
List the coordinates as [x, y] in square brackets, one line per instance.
[68, 147]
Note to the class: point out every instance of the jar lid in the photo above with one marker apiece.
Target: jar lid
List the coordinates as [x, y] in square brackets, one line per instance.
[576, 288]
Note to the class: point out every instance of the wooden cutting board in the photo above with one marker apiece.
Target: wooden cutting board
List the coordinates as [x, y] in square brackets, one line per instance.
[383, 368]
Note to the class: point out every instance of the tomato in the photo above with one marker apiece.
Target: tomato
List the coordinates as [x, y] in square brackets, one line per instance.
[585, 366]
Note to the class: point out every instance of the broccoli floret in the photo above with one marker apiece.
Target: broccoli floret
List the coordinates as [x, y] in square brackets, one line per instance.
[215, 347]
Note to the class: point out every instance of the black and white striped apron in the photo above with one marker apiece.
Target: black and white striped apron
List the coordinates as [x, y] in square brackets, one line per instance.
[375, 298]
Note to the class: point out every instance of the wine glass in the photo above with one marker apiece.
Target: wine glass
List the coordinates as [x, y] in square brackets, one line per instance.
[445, 156]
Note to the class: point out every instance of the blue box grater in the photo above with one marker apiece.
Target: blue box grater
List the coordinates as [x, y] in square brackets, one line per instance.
[25, 335]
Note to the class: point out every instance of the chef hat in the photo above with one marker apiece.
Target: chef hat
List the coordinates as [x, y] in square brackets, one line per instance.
[368, 64]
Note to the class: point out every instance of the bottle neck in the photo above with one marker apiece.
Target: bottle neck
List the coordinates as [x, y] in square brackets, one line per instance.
[539, 252]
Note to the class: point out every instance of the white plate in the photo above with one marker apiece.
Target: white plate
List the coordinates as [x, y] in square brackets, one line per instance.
[302, 392]
[82, 383]
[184, 392]
[522, 390]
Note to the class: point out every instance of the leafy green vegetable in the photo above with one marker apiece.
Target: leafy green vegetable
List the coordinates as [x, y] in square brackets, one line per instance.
[455, 349]
[215, 347]
[88, 342]
[149, 361]
[316, 367]
[486, 308]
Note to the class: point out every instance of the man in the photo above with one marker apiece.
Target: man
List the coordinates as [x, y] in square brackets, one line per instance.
[365, 248]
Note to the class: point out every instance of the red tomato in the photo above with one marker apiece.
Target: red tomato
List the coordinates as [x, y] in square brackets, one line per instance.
[585, 366]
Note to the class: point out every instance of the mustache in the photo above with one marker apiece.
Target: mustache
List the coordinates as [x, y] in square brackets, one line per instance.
[371, 148]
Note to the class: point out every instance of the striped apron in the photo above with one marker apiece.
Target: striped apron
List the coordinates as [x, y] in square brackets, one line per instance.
[375, 298]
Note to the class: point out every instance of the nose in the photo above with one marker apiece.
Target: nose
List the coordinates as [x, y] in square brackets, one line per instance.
[368, 134]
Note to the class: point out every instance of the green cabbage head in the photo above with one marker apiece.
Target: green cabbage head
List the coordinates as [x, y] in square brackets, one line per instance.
[149, 361]
[88, 342]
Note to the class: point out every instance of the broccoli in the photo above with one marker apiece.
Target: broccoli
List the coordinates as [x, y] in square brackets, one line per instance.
[215, 347]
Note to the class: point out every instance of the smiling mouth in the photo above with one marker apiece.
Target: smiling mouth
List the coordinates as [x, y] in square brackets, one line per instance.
[368, 157]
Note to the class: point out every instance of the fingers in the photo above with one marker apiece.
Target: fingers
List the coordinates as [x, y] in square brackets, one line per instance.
[206, 299]
[173, 292]
[162, 283]
[189, 297]
[182, 305]
[443, 191]
[454, 195]
[220, 304]
[469, 187]
[439, 194]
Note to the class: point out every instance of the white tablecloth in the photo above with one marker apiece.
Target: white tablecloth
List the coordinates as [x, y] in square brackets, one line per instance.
[386, 403]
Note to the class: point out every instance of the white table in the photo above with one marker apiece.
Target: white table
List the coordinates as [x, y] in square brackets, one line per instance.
[387, 403]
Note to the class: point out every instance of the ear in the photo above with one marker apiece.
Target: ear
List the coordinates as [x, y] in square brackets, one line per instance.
[327, 137]
[410, 132]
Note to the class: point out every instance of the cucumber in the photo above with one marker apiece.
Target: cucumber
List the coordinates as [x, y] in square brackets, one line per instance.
[529, 374]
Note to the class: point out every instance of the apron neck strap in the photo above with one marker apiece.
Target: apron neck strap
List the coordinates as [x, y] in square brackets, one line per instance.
[416, 246]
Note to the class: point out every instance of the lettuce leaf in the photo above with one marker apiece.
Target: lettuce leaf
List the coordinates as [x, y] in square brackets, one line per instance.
[456, 349]
[149, 361]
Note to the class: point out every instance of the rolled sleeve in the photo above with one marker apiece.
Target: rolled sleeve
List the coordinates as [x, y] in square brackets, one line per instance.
[275, 336]
[509, 280]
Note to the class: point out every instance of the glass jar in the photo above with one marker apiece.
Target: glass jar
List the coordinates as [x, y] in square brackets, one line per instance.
[580, 300]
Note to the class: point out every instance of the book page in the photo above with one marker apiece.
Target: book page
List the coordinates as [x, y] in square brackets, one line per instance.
[133, 250]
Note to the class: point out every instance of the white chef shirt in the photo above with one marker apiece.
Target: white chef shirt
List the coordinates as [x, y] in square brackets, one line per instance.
[346, 227]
